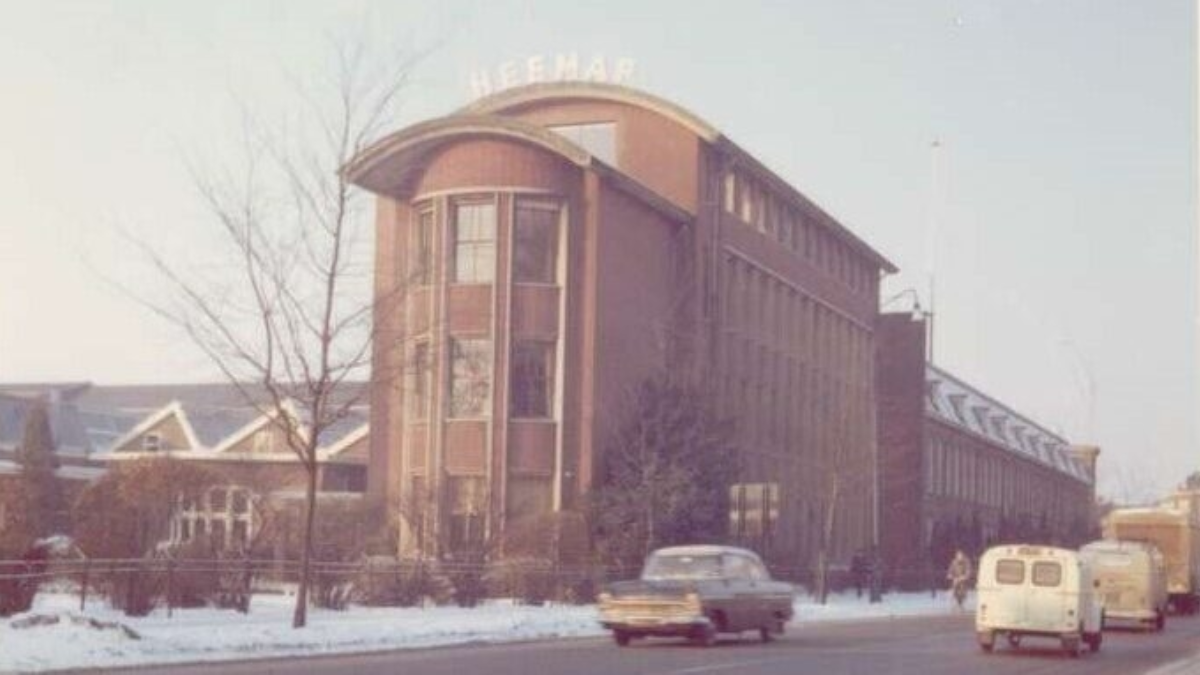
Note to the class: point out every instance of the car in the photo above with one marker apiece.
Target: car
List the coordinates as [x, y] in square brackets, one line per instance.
[1037, 591]
[697, 592]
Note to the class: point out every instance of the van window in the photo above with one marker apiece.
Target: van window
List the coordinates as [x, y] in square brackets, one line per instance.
[1046, 573]
[1010, 572]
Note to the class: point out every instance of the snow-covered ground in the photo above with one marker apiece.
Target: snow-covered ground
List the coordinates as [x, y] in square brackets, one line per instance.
[213, 635]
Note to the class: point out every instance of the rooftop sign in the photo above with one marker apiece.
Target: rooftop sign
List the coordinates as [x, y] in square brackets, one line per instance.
[558, 68]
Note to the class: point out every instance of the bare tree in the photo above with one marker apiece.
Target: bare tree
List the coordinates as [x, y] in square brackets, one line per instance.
[287, 316]
[844, 468]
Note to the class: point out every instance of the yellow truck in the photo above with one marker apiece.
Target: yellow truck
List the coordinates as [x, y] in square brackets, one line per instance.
[1176, 535]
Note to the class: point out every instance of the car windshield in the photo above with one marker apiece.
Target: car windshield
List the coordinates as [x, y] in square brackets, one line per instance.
[682, 567]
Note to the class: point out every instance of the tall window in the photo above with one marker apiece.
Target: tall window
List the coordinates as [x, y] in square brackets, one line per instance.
[423, 261]
[535, 255]
[474, 243]
[599, 139]
[470, 377]
[419, 404]
[532, 381]
[467, 508]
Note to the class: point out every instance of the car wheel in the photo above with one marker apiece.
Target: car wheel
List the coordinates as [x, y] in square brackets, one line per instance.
[764, 634]
[1160, 621]
[1071, 647]
[622, 638]
[987, 641]
[704, 636]
[1014, 641]
[1094, 640]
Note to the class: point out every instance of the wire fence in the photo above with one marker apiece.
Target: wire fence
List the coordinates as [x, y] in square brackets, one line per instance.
[138, 586]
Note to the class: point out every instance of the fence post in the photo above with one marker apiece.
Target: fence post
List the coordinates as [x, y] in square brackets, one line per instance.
[83, 585]
[170, 587]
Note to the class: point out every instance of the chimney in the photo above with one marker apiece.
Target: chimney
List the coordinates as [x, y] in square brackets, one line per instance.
[1086, 455]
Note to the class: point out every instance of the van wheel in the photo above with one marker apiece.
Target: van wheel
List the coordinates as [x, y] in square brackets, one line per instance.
[1014, 640]
[1071, 647]
[1093, 641]
[1160, 621]
[704, 636]
[987, 641]
[621, 638]
[764, 634]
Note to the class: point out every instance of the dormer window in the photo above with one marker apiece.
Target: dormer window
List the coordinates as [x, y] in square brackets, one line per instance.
[599, 139]
[152, 442]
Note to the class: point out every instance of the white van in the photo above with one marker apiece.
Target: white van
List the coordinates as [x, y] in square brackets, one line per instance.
[1037, 591]
[1132, 581]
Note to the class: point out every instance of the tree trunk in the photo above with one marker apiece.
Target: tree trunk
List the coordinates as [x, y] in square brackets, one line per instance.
[300, 616]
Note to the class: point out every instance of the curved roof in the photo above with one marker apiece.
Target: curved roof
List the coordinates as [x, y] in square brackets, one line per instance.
[549, 91]
[386, 164]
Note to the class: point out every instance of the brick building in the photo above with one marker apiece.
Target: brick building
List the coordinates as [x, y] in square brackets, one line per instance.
[542, 251]
[209, 424]
[961, 469]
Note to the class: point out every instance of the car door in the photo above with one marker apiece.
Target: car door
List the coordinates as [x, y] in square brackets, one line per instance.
[736, 569]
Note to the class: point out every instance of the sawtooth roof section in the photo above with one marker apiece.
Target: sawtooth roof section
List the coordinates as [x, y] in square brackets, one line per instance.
[948, 399]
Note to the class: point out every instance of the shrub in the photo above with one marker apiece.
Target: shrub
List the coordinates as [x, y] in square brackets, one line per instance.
[528, 581]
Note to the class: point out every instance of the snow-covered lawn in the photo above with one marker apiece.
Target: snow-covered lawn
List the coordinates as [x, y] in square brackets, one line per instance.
[213, 635]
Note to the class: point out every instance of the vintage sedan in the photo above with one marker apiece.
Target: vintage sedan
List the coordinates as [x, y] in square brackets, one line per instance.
[697, 592]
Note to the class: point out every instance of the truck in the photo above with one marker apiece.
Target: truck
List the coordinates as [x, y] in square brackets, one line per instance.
[1132, 581]
[1176, 535]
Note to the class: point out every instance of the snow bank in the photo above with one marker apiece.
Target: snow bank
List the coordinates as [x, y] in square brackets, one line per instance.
[215, 635]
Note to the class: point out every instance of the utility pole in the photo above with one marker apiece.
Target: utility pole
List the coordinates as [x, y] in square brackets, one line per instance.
[931, 234]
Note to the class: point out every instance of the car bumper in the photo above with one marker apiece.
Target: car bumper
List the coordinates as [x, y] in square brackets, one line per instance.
[656, 625]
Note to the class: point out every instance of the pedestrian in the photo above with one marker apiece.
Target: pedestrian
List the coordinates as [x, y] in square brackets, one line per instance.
[959, 575]
[859, 572]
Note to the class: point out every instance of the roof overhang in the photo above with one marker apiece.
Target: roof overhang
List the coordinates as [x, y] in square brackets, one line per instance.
[389, 166]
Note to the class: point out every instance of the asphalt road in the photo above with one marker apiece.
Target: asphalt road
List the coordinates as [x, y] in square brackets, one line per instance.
[925, 646]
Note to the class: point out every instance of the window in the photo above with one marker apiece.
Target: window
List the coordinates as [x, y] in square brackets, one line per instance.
[152, 442]
[470, 377]
[528, 496]
[344, 478]
[467, 507]
[423, 253]
[474, 243]
[218, 532]
[240, 533]
[1010, 572]
[1047, 574]
[419, 404]
[599, 139]
[532, 381]
[753, 509]
[535, 254]
[241, 501]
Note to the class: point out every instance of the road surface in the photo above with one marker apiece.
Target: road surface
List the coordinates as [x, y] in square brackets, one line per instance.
[918, 646]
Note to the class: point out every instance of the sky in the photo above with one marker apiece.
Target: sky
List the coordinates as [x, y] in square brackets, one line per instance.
[1057, 216]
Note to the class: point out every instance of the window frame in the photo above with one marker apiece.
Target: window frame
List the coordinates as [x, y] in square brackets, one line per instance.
[475, 245]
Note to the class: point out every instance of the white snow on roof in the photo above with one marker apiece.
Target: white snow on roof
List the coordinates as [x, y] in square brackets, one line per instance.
[957, 404]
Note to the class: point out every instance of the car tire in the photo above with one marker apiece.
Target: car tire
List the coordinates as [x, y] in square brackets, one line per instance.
[1014, 641]
[1160, 621]
[1094, 640]
[704, 636]
[622, 638]
[765, 634]
[987, 641]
